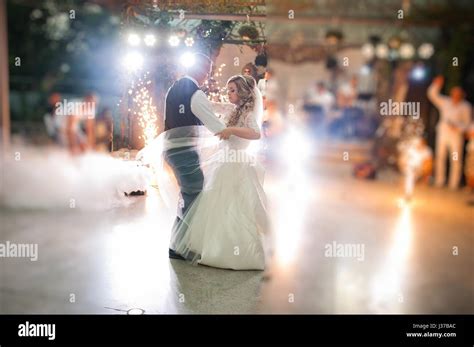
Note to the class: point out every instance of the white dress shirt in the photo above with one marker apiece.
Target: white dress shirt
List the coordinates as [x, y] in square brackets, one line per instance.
[202, 109]
[262, 86]
[268, 88]
[348, 94]
[325, 99]
[457, 115]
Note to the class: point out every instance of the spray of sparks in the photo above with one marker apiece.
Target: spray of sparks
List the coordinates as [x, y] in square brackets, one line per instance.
[216, 92]
[145, 110]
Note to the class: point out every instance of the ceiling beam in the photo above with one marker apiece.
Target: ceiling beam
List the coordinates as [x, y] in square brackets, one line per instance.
[335, 20]
[226, 17]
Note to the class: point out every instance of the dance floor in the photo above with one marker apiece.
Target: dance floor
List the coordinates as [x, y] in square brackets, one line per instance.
[407, 258]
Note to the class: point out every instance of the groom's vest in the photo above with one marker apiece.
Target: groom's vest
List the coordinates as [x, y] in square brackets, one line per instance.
[178, 105]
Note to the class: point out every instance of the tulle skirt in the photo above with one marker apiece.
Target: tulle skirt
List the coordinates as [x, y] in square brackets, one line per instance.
[223, 220]
[225, 225]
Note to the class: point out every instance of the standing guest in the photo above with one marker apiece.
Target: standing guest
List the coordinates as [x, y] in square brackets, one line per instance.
[469, 166]
[250, 70]
[262, 84]
[346, 99]
[79, 126]
[51, 118]
[89, 118]
[455, 116]
[347, 93]
[268, 86]
[318, 102]
[273, 119]
[104, 131]
[320, 96]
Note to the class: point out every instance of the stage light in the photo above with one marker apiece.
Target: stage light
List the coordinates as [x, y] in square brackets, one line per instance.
[173, 41]
[407, 51]
[381, 51]
[418, 73]
[133, 39]
[135, 311]
[189, 41]
[150, 40]
[368, 51]
[133, 61]
[187, 59]
[425, 51]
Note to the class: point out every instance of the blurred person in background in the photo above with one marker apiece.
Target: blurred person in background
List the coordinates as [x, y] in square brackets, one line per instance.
[268, 86]
[347, 93]
[51, 120]
[104, 131]
[319, 95]
[79, 127]
[250, 69]
[318, 102]
[469, 165]
[273, 119]
[454, 119]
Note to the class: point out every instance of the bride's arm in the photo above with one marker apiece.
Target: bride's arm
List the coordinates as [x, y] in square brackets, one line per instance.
[250, 130]
[223, 108]
[245, 133]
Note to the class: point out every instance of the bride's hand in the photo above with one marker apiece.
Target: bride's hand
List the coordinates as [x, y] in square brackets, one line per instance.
[225, 134]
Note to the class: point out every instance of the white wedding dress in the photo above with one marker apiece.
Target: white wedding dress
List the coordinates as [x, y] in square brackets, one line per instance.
[225, 225]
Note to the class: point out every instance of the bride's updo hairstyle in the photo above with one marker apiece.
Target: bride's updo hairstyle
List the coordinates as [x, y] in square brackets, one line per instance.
[245, 90]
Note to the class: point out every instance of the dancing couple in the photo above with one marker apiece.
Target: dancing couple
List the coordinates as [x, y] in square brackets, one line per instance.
[221, 217]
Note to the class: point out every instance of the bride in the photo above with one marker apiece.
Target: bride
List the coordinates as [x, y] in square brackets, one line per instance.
[225, 225]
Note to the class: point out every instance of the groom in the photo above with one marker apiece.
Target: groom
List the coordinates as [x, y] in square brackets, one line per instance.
[187, 105]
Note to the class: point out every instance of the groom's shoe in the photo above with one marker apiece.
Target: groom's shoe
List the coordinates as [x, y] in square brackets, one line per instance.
[174, 255]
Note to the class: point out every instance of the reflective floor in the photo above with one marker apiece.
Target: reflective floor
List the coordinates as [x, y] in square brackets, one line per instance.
[339, 245]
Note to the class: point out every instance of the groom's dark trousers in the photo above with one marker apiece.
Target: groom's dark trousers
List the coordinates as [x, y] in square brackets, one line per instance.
[186, 167]
[184, 161]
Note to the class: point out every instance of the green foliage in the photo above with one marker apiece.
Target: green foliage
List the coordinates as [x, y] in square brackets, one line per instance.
[61, 46]
[248, 31]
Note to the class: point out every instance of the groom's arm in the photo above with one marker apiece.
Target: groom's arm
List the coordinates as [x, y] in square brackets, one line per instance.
[202, 108]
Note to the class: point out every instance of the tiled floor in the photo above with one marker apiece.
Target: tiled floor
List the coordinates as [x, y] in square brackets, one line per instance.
[110, 262]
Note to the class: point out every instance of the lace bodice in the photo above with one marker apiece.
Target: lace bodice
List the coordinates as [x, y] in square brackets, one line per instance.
[224, 110]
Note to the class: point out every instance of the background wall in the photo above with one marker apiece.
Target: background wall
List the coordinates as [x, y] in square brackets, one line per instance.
[227, 54]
